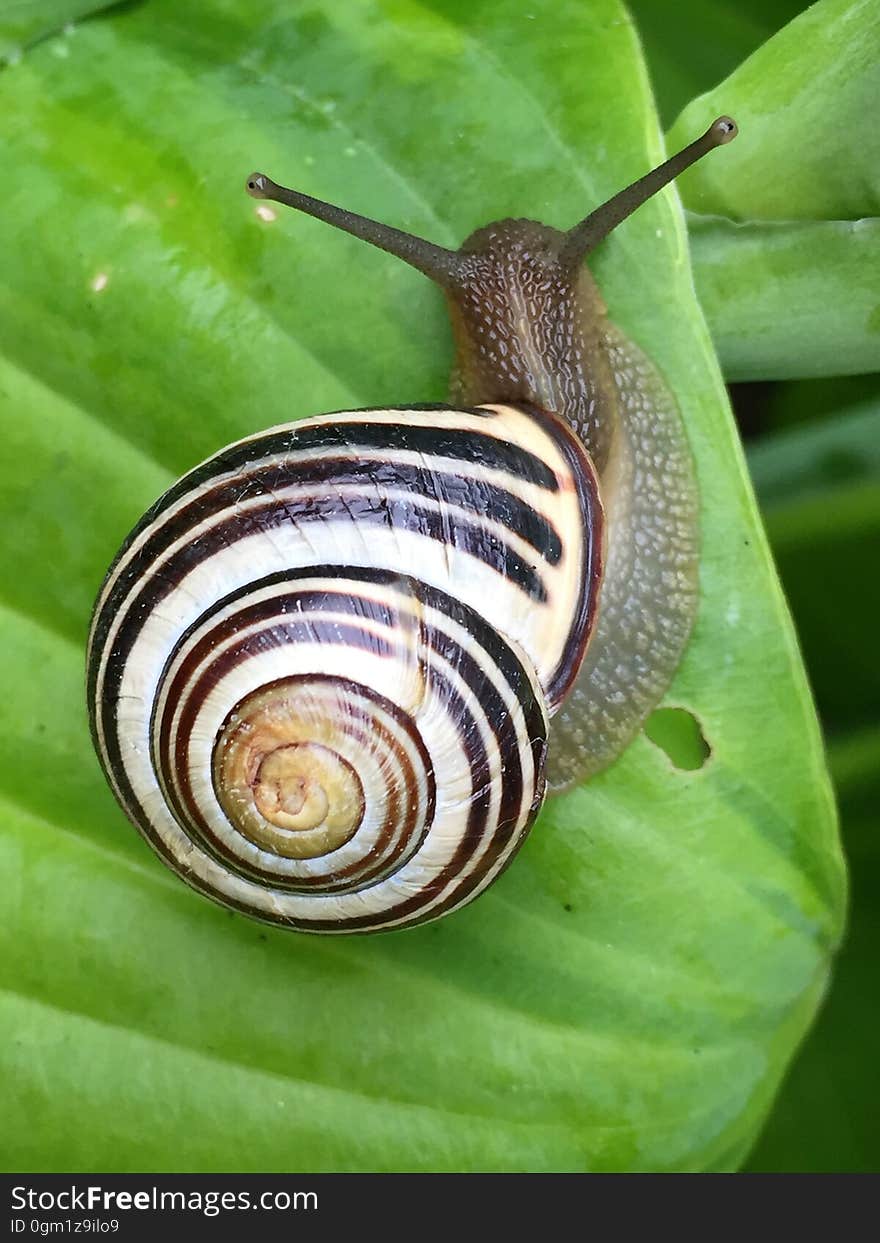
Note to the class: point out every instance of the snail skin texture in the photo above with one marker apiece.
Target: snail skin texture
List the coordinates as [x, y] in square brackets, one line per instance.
[333, 669]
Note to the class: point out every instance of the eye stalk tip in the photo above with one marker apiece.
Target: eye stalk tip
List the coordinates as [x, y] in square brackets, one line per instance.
[258, 186]
[723, 130]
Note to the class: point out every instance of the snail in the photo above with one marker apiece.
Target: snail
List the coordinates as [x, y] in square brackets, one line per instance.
[334, 668]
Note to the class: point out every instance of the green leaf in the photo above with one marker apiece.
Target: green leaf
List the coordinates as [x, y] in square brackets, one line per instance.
[25, 22]
[818, 461]
[629, 993]
[805, 151]
[704, 43]
[786, 240]
[790, 300]
[769, 408]
[820, 490]
[818, 484]
[825, 1120]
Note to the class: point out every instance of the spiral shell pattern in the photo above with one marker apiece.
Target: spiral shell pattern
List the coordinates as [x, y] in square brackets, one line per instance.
[321, 667]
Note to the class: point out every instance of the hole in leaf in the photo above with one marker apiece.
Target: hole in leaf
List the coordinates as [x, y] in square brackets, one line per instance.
[677, 732]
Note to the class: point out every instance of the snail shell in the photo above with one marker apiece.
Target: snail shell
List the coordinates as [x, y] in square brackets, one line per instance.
[351, 734]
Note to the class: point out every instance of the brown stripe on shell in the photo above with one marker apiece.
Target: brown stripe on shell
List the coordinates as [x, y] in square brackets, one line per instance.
[185, 807]
[431, 441]
[586, 482]
[378, 862]
[501, 839]
[511, 809]
[510, 813]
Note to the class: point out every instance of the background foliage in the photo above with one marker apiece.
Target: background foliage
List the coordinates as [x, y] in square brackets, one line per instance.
[813, 452]
[629, 995]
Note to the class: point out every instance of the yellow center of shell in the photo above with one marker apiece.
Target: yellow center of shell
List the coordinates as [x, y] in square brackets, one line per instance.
[288, 789]
[280, 781]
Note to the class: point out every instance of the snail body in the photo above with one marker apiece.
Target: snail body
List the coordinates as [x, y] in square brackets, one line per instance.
[322, 668]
